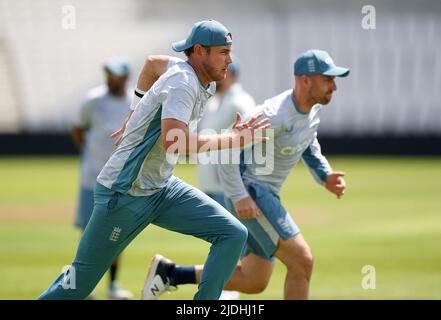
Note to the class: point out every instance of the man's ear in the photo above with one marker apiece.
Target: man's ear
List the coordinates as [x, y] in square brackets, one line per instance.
[307, 81]
[198, 49]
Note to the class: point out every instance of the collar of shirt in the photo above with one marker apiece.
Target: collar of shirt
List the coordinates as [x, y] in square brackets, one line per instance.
[293, 99]
[206, 91]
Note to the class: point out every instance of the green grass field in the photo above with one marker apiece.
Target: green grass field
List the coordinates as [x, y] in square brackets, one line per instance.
[390, 218]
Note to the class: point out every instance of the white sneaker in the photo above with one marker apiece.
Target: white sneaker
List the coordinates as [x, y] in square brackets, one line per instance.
[229, 295]
[157, 281]
[116, 293]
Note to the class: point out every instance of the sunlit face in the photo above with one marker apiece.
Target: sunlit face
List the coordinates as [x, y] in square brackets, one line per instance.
[216, 61]
[321, 88]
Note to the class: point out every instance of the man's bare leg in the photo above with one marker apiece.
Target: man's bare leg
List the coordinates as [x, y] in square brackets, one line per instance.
[297, 257]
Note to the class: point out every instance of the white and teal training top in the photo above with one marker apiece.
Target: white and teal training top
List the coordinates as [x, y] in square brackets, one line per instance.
[295, 138]
[101, 114]
[139, 165]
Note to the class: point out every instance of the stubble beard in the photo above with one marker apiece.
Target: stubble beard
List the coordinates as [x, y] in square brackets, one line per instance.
[212, 73]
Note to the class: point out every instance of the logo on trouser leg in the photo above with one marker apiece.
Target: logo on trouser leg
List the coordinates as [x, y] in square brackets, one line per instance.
[114, 236]
[285, 225]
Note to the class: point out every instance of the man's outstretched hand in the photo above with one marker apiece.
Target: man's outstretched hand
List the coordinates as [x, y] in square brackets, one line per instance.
[336, 184]
[250, 131]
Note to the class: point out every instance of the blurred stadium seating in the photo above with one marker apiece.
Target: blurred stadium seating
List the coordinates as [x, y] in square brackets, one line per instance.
[393, 90]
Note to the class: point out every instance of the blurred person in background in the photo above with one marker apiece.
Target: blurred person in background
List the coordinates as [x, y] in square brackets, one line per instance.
[229, 99]
[101, 114]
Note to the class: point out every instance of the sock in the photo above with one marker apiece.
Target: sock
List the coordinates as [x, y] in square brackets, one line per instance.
[182, 275]
[113, 270]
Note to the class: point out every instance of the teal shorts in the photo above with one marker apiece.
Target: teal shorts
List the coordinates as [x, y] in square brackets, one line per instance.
[273, 222]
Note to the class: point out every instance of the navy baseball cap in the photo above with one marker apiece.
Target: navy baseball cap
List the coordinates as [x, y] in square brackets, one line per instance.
[318, 62]
[207, 33]
[118, 66]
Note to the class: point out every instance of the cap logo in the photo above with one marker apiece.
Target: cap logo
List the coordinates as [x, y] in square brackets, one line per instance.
[311, 65]
[228, 37]
[329, 60]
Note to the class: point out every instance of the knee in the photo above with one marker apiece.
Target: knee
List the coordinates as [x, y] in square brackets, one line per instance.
[308, 264]
[302, 264]
[236, 231]
[241, 233]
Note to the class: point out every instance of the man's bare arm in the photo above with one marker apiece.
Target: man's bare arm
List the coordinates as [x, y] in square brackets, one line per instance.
[177, 139]
[154, 67]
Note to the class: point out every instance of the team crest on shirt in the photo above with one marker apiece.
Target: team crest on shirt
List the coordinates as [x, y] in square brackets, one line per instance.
[290, 149]
[286, 151]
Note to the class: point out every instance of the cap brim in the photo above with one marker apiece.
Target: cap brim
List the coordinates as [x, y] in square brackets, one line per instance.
[180, 46]
[337, 72]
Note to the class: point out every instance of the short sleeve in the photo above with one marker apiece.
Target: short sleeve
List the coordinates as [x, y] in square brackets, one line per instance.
[180, 101]
[172, 61]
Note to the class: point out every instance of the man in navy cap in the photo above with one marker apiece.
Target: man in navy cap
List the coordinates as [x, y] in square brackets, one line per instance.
[136, 187]
[253, 197]
[104, 108]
